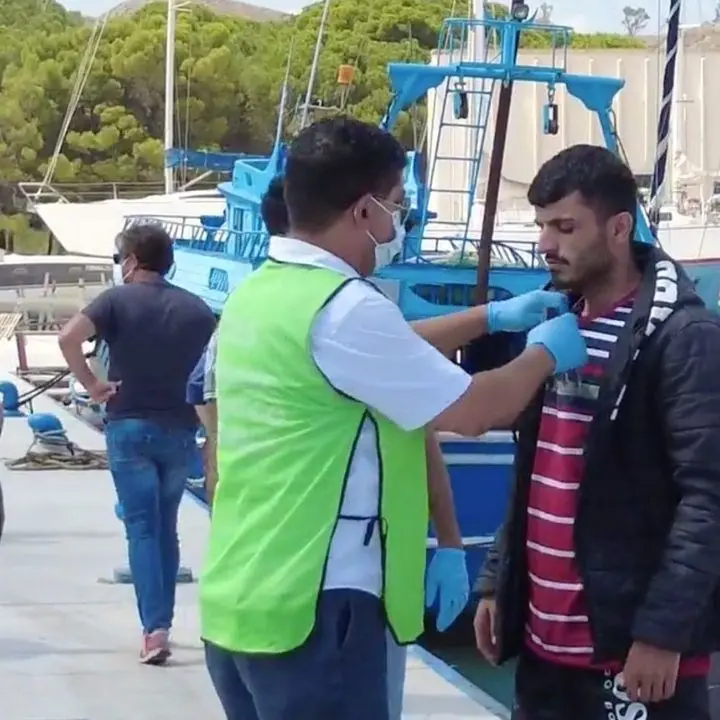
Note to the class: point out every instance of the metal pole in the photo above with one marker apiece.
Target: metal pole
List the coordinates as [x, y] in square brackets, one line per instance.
[478, 109]
[170, 92]
[283, 95]
[492, 190]
[313, 68]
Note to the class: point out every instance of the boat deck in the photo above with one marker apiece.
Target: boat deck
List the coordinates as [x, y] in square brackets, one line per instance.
[69, 637]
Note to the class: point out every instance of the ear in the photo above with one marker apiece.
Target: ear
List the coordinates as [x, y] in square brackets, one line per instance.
[620, 227]
[360, 211]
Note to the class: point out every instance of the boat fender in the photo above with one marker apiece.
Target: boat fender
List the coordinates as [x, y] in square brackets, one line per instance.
[461, 108]
[48, 432]
[551, 122]
[10, 399]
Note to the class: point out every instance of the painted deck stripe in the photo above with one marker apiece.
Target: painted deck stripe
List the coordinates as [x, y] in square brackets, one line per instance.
[477, 459]
[493, 709]
[494, 436]
[468, 541]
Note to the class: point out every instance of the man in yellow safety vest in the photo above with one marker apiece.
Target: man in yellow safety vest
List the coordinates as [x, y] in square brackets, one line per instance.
[326, 396]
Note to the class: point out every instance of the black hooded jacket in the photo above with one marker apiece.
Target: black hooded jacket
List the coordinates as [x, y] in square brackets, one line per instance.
[647, 529]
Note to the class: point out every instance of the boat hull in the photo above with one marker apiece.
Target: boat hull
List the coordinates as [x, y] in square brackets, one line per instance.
[480, 474]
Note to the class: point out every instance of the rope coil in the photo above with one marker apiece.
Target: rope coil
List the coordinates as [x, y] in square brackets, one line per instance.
[57, 452]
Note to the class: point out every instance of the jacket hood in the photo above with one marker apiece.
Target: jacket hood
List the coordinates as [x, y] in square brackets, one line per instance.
[664, 288]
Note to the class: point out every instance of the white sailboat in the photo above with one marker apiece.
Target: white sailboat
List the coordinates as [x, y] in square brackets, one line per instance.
[90, 228]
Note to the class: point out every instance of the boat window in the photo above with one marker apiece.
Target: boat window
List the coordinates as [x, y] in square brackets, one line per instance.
[57, 273]
[665, 216]
[238, 219]
[459, 295]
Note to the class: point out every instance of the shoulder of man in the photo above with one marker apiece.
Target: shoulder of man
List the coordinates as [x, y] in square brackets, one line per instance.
[682, 319]
[356, 295]
[688, 339]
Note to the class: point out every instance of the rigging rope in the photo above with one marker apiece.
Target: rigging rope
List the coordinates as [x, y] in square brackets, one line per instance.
[663, 128]
[83, 74]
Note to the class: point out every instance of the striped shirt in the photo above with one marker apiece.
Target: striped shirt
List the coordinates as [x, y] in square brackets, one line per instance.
[557, 628]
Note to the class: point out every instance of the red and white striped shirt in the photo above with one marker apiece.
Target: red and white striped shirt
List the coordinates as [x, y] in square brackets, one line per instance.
[557, 629]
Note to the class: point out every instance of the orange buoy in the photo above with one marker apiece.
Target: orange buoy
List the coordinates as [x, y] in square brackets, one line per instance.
[345, 75]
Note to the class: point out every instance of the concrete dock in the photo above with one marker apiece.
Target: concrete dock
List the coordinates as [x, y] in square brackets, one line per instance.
[69, 638]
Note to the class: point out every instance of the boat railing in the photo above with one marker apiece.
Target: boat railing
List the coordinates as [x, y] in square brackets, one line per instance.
[194, 234]
[252, 245]
[505, 36]
[35, 193]
[458, 251]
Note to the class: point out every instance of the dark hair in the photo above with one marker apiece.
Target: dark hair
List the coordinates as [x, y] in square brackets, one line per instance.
[603, 180]
[273, 208]
[150, 244]
[334, 162]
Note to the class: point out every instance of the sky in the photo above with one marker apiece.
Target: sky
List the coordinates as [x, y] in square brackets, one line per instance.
[594, 17]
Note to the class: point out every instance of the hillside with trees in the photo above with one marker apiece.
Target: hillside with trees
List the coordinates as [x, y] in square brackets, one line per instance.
[249, 11]
[229, 71]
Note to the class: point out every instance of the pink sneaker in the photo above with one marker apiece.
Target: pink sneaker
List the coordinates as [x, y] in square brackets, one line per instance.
[155, 648]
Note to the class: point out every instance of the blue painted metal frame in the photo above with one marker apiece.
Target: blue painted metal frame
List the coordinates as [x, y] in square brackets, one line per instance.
[411, 81]
[216, 254]
[201, 160]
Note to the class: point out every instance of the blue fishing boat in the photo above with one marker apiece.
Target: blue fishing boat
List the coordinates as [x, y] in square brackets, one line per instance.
[444, 266]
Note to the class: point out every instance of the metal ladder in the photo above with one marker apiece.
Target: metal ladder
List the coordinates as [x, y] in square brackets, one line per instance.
[468, 111]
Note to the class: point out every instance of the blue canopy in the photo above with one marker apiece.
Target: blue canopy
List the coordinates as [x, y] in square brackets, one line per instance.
[202, 160]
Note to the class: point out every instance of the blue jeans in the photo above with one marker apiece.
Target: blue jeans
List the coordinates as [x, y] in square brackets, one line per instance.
[339, 673]
[149, 466]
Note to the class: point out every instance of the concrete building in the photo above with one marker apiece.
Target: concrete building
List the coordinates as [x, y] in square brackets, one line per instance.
[694, 146]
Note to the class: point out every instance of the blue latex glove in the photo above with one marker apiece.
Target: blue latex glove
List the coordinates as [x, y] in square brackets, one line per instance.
[562, 339]
[448, 584]
[524, 311]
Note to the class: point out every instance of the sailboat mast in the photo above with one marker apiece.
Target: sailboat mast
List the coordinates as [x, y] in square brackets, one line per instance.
[284, 95]
[170, 92]
[492, 188]
[663, 128]
[313, 68]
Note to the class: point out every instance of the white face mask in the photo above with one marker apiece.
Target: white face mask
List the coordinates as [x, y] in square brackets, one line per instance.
[385, 252]
[117, 275]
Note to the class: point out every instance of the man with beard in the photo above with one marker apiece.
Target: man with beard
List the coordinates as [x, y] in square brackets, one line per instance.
[603, 579]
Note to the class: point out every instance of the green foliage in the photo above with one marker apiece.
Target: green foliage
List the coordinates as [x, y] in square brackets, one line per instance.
[25, 239]
[229, 73]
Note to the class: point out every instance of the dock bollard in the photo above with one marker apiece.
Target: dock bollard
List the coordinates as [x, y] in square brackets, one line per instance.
[123, 575]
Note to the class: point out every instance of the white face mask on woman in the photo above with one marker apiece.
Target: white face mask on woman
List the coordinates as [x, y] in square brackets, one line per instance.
[385, 252]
